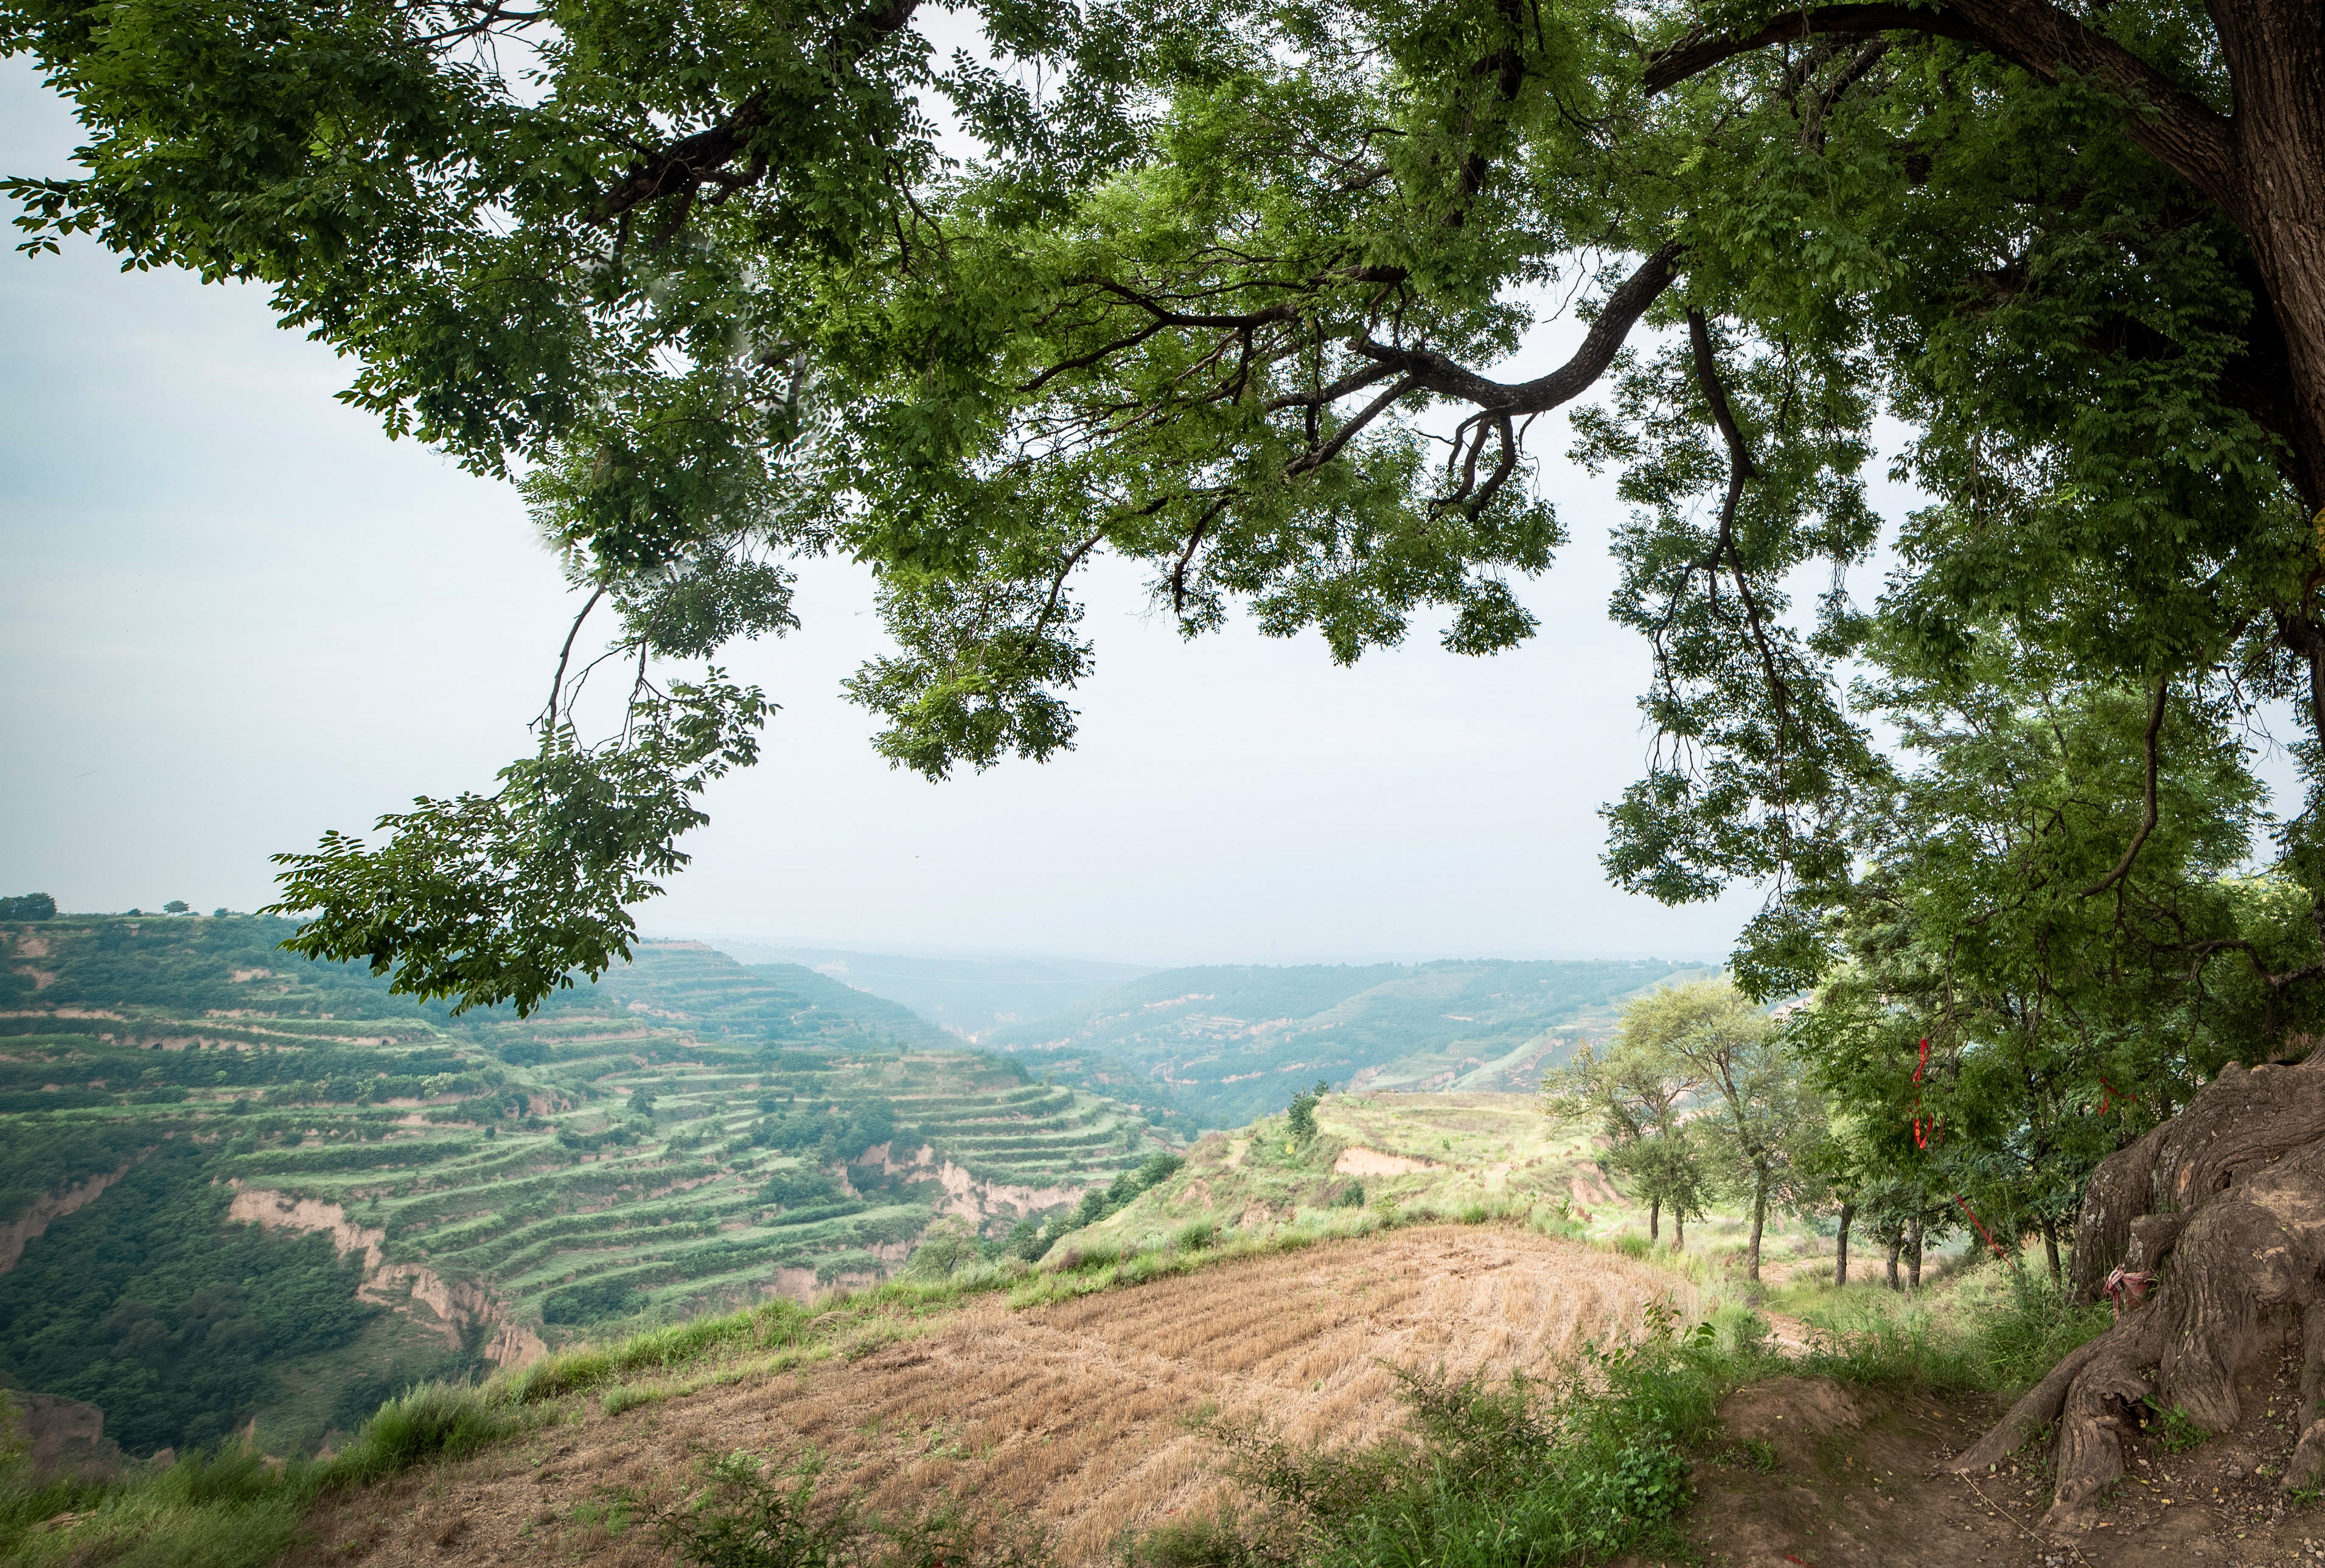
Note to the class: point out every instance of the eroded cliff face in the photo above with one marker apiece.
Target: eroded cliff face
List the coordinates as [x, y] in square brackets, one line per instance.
[48, 1207]
[62, 1438]
[410, 1288]
[966, 1195]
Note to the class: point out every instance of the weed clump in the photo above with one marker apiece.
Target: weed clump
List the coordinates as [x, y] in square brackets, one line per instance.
[749, 1515]
[1488, 1475]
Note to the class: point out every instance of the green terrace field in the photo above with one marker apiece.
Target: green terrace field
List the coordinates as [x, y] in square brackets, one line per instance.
[235, 1185]
[1229, 1044]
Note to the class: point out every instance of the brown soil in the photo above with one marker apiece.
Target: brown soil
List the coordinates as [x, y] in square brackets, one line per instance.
[1859, 1477]
[1074, 1416]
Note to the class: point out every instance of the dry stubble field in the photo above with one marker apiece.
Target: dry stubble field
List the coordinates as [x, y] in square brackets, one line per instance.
[1073, 1416]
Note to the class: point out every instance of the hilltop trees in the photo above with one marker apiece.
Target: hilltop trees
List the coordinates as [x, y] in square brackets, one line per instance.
[1635, 1091]
[1762, 1122]
[1697, 1095]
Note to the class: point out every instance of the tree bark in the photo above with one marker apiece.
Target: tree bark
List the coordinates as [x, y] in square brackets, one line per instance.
[1913, 1253]
[2051, 1248]
[2275, 54]
[1759, 1223]
[1679, 1230]
[1840, 1250]
[1897, 1244]
[2222, 1209]
[1655, 1219]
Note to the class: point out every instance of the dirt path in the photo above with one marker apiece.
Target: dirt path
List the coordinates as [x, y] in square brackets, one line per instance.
[1074, 1415]
[1850, 1476]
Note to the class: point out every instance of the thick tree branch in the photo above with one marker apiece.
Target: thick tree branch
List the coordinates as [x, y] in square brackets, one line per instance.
[2147, 825]
[1696, 54]
[1624, 307]
[2181, 130]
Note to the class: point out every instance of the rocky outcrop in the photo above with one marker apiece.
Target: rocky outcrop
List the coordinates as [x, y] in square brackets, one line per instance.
[457, 1310]
[19, 1233]
[62, 1437]
[969, 1196]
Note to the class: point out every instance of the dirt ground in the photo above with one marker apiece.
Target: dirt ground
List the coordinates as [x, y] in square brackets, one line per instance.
[1858, 1476]
[1076, 1416]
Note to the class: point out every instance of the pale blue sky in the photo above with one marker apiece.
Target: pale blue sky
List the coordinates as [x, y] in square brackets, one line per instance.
[236, 615]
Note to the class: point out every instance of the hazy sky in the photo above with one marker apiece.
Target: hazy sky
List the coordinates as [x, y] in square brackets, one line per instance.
[236, 615]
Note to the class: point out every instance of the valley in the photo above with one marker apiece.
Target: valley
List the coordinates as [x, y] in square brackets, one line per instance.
[1233, 1043]
[458, 1194]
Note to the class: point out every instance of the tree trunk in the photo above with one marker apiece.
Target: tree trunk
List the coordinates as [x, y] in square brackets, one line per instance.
[1840, 1250]
[1654, 1217]
[1759, 1223]
[2232, 1193]
[2051, 1250]
[1913, 1253]
[1897, 1244]
[1679, 1230]
[2275, 53]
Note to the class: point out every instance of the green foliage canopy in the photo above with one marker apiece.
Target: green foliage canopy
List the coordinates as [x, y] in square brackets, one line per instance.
[1220, 288]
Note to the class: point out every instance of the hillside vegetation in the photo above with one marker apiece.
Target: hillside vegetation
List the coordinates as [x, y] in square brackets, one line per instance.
[1234, 1042]
[305, 1192]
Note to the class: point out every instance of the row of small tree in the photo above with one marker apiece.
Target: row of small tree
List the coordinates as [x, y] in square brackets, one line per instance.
[1701, 1097]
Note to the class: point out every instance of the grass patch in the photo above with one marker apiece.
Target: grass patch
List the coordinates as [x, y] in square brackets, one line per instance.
[1578, 1470]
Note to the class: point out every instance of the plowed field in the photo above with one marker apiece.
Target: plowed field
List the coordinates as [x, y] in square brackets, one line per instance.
[1073, 1416]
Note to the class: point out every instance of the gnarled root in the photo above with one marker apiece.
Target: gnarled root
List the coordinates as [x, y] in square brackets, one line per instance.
[2031, 1413]
[2307, 1461]
[2240, 1179]
[2092, 1426]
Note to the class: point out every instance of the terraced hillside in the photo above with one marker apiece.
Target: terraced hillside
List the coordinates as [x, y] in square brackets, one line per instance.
[1232, 1043]
[304, 1192]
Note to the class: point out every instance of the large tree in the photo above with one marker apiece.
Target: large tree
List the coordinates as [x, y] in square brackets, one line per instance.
[1189, 283]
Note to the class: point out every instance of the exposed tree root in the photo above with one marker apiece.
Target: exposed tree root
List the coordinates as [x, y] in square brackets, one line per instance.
[2225, 1203]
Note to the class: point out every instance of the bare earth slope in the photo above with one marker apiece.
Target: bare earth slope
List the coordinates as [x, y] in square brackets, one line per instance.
[1073, 1416]
[1859, 1478]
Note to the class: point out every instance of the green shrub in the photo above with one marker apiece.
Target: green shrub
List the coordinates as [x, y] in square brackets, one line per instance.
[1495, 1477]
[1195, 1235]
[747, 1518]
[1350, 1196]
[949, 1246]
[592, 1303]
[1632, 1245]
[2176, 1432]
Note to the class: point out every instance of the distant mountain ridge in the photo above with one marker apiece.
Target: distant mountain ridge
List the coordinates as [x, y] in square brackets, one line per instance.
[969, 998]
[1234, 1042]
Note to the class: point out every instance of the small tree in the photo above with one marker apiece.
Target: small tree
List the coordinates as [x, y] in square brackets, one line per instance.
[949, 1246]
[1667, 1169]
[1302, 1115]
[1634, 1090]
[177, 906]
